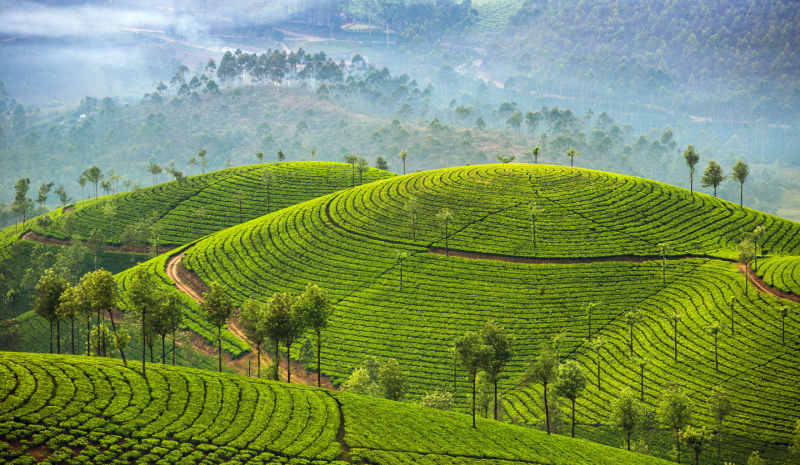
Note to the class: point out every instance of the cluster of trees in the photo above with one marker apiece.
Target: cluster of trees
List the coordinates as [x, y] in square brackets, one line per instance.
[714, 174]
[378, 379]
[732, 60]
[282, 320]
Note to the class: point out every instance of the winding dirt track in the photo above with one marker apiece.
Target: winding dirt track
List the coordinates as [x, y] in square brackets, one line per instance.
[761, 286]
[175, 270]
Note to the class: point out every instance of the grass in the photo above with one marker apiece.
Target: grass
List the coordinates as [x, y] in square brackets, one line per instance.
[587, 215]
[70, 408]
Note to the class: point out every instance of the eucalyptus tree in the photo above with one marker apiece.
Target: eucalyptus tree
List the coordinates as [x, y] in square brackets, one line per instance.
[204, 161]
[280, 156]
[641, 362]
[626, 414]
[403, 156]
[142, 295]
[675, 319]
[94, 175]
[155, 170]
[412, 208]
[260, 157]
[315, 309]
[712, 176]
[664, 248]
[739, 173]
[596, 345]
[192, 163]
[82, 182]
[691, 157]
[63, 197]
[96, 245]
[401, 257]
[534, 210]
[361, 167]
[352, 159]
[572, 154]
[43, 193]
[171, 317]
[697, 439]
[71, 304]
[719, 407]
[471, 354]
[254, 314]
[499, 351]
[535, 153]
[755, 237]
[746, 255]
[217, 310]
[675, 412]
[279, 312]
[589, 309]
[571, 383]
[542, 370]
[48, 292]
[714, 330]
[313, 153]
[633, 318]
[445, 217]
[21, 199]
[102, 293]
[267, 180]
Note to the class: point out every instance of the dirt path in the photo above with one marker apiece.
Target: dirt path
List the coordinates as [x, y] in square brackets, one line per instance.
[761, 286]
[36, 237]
[191, 285]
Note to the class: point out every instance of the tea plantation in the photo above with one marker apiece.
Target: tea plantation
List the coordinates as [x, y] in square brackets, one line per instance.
[74, 409]
[597, 241]
[177, 206]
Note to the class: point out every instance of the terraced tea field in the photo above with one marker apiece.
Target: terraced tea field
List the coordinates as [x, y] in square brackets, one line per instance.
[782, 273]
[600, 231]
[178, 207]
[77, 409]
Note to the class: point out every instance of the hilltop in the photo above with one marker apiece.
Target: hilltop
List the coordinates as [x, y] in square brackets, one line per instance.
[597, 243]
[74, 408]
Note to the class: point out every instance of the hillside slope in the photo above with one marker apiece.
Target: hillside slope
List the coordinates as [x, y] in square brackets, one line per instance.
[65, 406]
[597, 242]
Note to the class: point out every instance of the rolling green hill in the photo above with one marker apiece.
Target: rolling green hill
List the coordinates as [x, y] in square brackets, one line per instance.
[76, 409]
[597, 242]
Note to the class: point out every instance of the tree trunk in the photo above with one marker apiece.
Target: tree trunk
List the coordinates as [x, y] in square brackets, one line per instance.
[573, 417]
[219, 347]
[732, 317]
[144, 317]
[401, 276]
[546, 409]
[741, 196]
[446, 241]
[258, 362]
[114, 327]
[534, 236]
[51, 337]
[628, 440]
[72, 330]
[88, 339]
[289, 362]
[783, 331]
[99, 336]
[474, 378]
[163, 351]
[58, 336]
[275, 361]
[676, 341]
[495, 399]
[716, 353]
[173, 347]
[319, 366]
[151, 351]
[719, 440]
[678, 444]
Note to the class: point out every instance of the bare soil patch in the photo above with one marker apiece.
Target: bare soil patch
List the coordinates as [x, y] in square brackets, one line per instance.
[761, 286]
[36, 237]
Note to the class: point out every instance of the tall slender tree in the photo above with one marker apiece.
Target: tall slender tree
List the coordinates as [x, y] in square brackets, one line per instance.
[664, 248]
[740, 172]
[403, 156]
[48, 292]
[471, 355]
[719, 407]
[675, 319]
[217, 311]
[542, 370]
[571, 383]
[691, 157]
[142, 294]
[633, 318]
[596, 345]
[714, 330]
[412, 208]
[783, 311]
[267, 180]
[316, 310]
[445, 217]
[626, 414]
[675, 412]
[589, 309]
[171, 317]
[499, 352]
[254, 314]
[572, 154]
[712, 176]
[641, 362]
